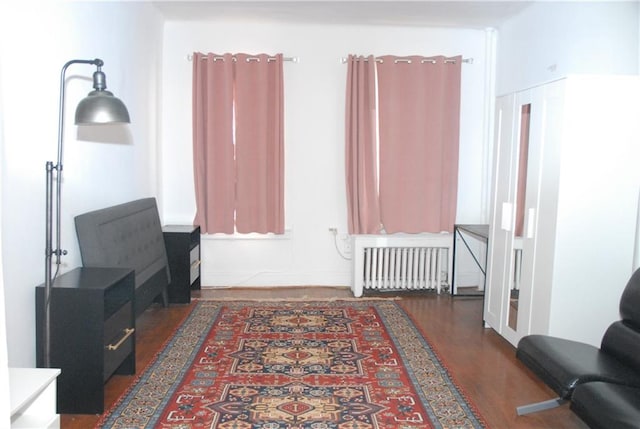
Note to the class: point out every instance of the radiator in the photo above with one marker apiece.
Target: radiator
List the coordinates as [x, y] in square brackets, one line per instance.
[401, 262]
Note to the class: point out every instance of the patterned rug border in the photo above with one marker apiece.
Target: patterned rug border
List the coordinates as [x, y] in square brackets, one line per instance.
[432, 350]
[140, 374]
[304, 298]
[445, 367]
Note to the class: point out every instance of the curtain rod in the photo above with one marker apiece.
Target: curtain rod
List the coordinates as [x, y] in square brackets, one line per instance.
[218, 58]
[424, 60]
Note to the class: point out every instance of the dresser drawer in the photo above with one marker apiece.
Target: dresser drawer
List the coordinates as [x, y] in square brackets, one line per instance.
[115, 353]
[119, 339]
[118, 322]
[194, 255]
[182, 243]
[194, 264]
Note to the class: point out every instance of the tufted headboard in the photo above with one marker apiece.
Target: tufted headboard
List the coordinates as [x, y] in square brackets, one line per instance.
[128, 235]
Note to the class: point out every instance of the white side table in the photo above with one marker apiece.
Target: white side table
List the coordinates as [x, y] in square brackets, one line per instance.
[32, 394]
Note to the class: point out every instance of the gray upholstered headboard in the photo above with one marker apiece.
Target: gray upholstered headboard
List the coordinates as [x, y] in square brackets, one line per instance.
[128, 235]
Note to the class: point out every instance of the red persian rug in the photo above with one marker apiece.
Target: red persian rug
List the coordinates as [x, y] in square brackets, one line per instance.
[292, 365]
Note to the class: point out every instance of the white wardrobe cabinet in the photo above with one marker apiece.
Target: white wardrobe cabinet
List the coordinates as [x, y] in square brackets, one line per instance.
[564, 207]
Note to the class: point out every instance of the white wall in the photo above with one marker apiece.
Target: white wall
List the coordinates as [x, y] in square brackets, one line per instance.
[549, 40]
[5, 409]
[314, 122]
[34, 44]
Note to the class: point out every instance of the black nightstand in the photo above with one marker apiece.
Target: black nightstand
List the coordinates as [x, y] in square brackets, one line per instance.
[183, 250]
[92, 334]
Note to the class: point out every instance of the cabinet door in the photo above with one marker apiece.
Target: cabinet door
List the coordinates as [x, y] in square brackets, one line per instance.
[530, 115]
[516, 184]
[541, 208]
[587, 222]
[502, 214]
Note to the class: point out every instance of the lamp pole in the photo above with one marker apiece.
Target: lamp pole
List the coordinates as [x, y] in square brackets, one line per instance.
[98, 107]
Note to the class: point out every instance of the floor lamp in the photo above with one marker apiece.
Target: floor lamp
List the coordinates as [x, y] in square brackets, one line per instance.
[98, 107]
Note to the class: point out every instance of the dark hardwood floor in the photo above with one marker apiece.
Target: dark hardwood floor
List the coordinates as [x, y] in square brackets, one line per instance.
[482, 363]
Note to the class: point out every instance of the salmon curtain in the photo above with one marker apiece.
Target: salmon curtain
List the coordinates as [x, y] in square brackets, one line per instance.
[360, 147]
[213, 147]
[259, 144]
[238, 105]
[419, 119]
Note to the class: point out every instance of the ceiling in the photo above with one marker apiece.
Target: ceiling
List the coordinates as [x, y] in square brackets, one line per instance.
[448, 13]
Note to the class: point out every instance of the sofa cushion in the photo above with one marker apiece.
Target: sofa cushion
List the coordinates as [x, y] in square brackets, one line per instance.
[607, 406]
[630, 301]
[563, 364]
[622, 342]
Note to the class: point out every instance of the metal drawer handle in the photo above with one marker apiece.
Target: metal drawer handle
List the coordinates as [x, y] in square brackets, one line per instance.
[127, 334]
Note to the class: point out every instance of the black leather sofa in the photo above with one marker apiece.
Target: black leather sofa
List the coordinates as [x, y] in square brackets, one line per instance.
[606, 405]
[128, 235]
[603, 384]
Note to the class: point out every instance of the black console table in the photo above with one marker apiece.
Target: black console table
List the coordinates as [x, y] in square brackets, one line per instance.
[92, 334]
[183, 251]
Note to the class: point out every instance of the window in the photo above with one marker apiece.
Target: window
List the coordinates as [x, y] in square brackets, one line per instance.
[238, 141]
[412, 106]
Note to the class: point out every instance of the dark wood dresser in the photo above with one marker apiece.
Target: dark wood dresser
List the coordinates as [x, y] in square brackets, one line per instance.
[183, 251]
[92, 334]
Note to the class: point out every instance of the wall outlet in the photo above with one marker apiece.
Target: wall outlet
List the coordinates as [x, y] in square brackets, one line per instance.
[346, 244]
[333, 230]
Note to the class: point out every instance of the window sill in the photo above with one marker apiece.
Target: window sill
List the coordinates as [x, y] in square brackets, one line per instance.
[251, 236]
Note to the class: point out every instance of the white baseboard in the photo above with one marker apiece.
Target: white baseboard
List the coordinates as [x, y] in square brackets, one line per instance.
[245, 278]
